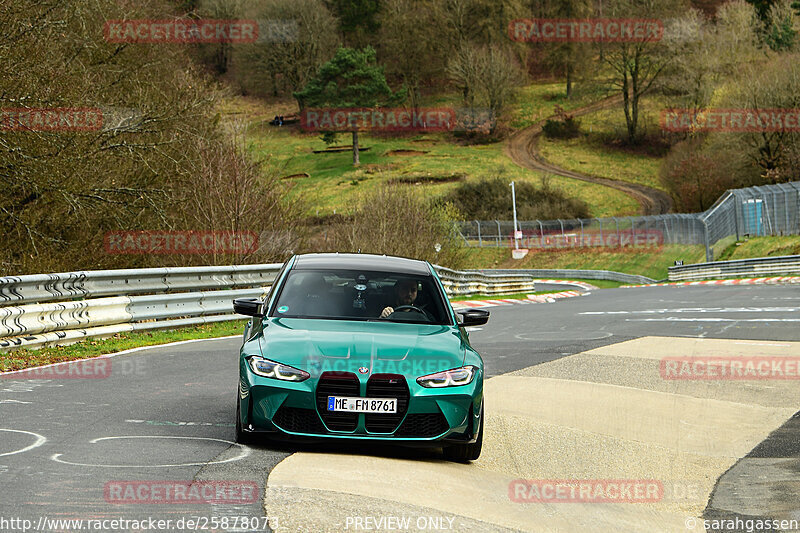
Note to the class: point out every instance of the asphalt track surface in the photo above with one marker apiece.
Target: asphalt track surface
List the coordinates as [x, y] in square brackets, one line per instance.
[167, 413]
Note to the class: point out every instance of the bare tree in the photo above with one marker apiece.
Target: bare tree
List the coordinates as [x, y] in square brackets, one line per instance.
[287, 64]
[486, 75]
[219, 54]
[637, 64]
[413, 42]
[228, 190]
[706, 53]
[773, 86]
[63, 190]
[571, 58]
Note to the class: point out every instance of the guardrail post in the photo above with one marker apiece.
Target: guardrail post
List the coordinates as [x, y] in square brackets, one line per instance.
[498, 233]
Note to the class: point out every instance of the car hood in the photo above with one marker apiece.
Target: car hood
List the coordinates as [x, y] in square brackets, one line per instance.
[318, 346]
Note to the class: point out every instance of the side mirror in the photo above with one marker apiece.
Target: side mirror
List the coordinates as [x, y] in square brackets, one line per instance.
[248, 307]
[473, 317]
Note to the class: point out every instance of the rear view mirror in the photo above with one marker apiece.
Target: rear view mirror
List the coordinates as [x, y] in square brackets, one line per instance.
[473, 317]
[248, 307]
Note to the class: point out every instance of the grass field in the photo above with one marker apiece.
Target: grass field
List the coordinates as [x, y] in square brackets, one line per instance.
[650, 262]
[333, 184]
[537, 102]
[591, 152]
[763, 247]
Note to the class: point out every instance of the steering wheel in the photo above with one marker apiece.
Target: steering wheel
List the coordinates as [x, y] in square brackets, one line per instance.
[414, 308]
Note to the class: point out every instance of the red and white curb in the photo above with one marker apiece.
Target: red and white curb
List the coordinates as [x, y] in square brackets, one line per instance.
[583, 285]
[738, 281]
[532, 299]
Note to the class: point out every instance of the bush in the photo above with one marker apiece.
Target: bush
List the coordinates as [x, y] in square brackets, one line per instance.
[569, 128]
[490, 199]
[396, 220]
[695, 178]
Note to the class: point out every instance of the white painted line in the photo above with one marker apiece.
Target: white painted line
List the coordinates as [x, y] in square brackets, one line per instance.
[242, 454]
[676, 319]
[39, 441]
[699, 310]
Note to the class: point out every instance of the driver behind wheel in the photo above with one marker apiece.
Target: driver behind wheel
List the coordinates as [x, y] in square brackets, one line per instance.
[405, 293]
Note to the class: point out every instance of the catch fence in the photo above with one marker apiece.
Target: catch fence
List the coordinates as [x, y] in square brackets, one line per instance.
[753, 211]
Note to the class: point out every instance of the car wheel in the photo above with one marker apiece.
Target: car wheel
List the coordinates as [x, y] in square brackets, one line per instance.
[463, 453]
[241, 436]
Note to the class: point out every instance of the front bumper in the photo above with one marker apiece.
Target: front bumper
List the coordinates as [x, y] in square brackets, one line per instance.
[295, 411]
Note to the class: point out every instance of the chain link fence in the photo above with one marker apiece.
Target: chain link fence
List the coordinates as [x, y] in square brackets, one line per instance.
[754, 211]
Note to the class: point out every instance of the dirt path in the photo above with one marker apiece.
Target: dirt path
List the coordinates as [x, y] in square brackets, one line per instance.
[522, 148]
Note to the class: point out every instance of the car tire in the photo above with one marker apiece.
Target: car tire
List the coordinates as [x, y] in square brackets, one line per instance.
[241, 437]
[464, 453]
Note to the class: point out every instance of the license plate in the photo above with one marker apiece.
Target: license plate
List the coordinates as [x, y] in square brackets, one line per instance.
[362, 405]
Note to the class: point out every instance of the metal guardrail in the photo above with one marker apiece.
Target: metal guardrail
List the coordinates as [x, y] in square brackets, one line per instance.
[94, 283]
[476, 282]
[604, 275]
[46, 309]
[761, 267]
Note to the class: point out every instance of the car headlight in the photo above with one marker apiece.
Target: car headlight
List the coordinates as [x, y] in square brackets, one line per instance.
[449, 378]
[271, 369]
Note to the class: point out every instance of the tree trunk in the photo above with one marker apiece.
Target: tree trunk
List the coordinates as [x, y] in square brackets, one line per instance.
[569, 81]
[356, 161]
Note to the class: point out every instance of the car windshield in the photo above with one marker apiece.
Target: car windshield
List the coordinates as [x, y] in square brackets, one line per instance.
[359, 295]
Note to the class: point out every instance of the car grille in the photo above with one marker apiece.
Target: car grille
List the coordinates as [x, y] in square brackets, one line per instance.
[423, 425]
[298, 420]
[337, 384]
[386, 386]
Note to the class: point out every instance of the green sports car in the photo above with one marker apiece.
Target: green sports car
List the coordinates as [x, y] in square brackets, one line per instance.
[353, 346]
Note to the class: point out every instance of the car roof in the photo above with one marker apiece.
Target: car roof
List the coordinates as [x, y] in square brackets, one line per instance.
[367, 262]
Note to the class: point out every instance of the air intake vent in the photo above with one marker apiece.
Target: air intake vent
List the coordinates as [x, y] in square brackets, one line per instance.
[387, 386]
[337, 384]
